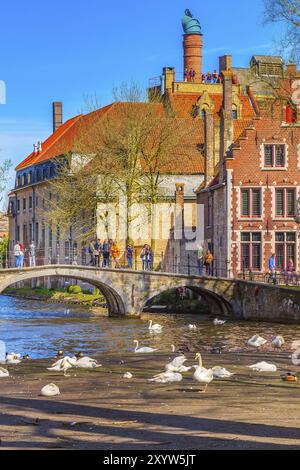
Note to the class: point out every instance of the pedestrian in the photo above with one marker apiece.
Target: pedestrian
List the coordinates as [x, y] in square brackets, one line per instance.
[208, 77]
[186, 74]
[116, 254]
[215, 76]
[92, 253]
[106, 254]
[98, 249]
[22, 255]
[129, 255]
[17, 253]
[203, 78]
[272, 268]
[32, 254]
[290, 271]
[144, 256]
[200, 256]
[193, 75]
[149, 258]
[190, 75]
[209, 259]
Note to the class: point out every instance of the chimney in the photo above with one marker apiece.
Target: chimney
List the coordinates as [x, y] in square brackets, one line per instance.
[169, 77]
[226, 120]
[57, 115]
[192, 47]
[209, 146]
[225, 63]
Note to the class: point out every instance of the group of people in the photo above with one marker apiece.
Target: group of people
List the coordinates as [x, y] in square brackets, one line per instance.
[190, 75]
[290, 270]
[205, 261]
[147, 258]
[19, 253]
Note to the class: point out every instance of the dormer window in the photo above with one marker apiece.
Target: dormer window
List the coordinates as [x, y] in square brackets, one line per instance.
[274, 156]
[234, 112]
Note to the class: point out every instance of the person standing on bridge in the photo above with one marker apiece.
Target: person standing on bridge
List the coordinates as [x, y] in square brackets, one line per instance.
[17, 253]
[129, 255]
[98, 249]
[209, 259]
[32, 254]
[200, 256]
[272, 268]
[106, 254]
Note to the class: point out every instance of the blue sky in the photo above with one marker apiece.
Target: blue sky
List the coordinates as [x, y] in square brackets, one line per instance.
[66, 50]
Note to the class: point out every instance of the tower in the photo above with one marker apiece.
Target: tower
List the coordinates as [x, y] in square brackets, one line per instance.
[192, 46]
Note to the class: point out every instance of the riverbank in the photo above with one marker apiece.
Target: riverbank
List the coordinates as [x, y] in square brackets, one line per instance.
[57, 296]
[98, 409]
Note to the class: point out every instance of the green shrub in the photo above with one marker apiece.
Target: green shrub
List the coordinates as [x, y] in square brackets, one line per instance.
[96, 292]
[74, 290]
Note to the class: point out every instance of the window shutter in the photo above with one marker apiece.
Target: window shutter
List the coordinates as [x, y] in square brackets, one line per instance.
[280, 202]
[290, 202]
[246, 203]
[268, 155]
[256, 202]
[280, 155]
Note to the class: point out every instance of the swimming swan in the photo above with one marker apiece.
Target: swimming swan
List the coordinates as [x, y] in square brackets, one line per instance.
[142, 350]
[155, 327]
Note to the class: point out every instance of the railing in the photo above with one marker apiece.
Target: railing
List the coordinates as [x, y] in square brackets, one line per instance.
[278, 278]
[160, 262]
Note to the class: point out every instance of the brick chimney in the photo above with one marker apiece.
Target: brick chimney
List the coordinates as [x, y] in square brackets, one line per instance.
[227, 119]
[209, 146]
[192, 47]
[57, 115]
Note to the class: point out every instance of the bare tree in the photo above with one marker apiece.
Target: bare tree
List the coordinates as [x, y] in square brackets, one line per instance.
[288, 13]
[4, 174]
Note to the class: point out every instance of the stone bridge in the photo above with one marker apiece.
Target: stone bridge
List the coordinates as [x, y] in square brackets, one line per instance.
[127, 292]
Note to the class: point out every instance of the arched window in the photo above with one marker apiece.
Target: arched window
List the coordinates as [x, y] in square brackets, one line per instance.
[203, 114]
[234, 112]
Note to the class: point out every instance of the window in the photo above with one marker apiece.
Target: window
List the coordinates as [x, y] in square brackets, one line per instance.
[30, 177]
[30, 202]
[210, 211]
[285, 249]
[234, 112]
[24, 204]
[285, 202]
[30, 232]
[251, 250]
[36, 234]
[274, 156]
[251, 203]
[18, 205]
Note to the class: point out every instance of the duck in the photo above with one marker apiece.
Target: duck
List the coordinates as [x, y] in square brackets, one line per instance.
[156, 327]
[278, 342]
[256, 341]
[128, 375]
[60, 353]
[167, 377]
[79, 355]
[192, 327]
[142, 350]
[50, 390]
[62, 365]
[216, 350]
[26, 357]
[289, 377]
[13, 359]
[263, 367]
[87, 363]
[218, 322]
[202, 375]
[221, 373]
[3, 373]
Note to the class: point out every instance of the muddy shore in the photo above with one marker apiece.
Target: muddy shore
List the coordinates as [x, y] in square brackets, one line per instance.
[98, 409]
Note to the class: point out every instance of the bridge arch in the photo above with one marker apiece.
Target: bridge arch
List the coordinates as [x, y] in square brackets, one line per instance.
[218, 304]
[111, 293]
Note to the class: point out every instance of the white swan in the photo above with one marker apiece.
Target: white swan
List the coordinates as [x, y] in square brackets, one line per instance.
[176, 364]
[256, 341]
[3, 373]
[263, 367]
[218, 322]
[278, 342]
[142, 350]
[156, 327]
[203, 375]
[87, 363]
[13, 358]
[221, 373]
[50, 390]
[192, 327]
[166, 378]
[128, 375]
[62, 365]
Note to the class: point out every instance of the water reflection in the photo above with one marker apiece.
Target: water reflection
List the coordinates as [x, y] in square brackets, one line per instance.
[40, 329]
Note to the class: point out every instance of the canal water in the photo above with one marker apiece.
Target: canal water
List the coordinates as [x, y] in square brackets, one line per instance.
[40, 330]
